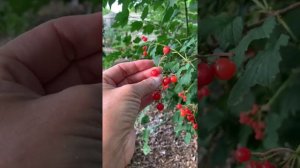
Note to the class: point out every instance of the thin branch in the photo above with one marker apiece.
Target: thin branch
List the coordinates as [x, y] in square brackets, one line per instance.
[276, 13]
[186, 19]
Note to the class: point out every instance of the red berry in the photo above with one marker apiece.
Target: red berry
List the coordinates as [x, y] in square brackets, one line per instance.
[242, 154]
[255, 109]
[165, 87]
[155, 72]
[205, 74]
[145, 53]
[183, 112]
[166, 81]
[181, 94]
[160, 106]
[244, 118]
[184, 98]
[195, 126]
[224, 69]
[173, 79]
[144, 38]
[145, 48]
[166, 50]
[259, 134]
[178, 106]
[253, 164]
[190, 118]
[156, 95]
[188, 111]
[267, 164]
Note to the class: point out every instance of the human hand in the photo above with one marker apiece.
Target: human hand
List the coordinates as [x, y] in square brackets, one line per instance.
[49, 95]
[127, 89]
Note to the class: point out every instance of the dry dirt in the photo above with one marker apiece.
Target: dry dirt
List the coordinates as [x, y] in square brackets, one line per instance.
[167, 150]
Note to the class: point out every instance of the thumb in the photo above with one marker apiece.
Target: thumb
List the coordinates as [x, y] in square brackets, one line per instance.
[147, 86]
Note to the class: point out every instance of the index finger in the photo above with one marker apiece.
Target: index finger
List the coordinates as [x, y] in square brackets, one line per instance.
[121, 71]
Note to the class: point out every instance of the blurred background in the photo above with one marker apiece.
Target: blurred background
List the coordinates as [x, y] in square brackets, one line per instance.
[18, 16]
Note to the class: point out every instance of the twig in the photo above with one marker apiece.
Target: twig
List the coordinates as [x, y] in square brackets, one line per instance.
[276, 13]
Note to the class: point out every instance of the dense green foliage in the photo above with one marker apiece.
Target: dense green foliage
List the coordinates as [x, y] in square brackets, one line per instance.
[269, 76]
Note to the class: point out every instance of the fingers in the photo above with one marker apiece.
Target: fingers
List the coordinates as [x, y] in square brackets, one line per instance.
[50, 48]
[119, 72]
[147, 86]
[138, 76]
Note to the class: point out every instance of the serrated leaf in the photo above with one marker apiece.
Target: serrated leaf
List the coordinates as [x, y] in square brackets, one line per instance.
[154, 56]
[261, 70]
[145, 12]
[231, 33]
[136, 25]
[258, 33]
[187, 138]
[273, 122]
[186, 78]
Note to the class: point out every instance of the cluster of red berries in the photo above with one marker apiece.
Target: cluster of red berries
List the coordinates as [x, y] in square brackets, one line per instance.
[243, 155]
[167, 80]
[166, 49]
[222, 68]
[249, 118]
[187, 113]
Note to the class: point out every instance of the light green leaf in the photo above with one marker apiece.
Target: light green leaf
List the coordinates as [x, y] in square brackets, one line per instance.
[146, 149]
[258, 33]
[187, 138]
[261, 70]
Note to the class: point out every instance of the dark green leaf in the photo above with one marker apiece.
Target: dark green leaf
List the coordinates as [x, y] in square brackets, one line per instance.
[145, 12]
[168, 14]
[260, 70]
[258, 33]
[145, 120]
[148, 29]
[136, 25]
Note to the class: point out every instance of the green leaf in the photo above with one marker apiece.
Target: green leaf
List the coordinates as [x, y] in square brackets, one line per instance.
[186, 78]
[145, 120]
[172, 3]
[213, 24]
[154, 56]
[146, 149]
[148, 29]
[261, 70]
[244, 135]
[122, 18]
[231, 34]
[145, 12]
[168, 14]
[258, 33]
[127, 40]
[273, 122]
[187, 138]
[136, 25]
